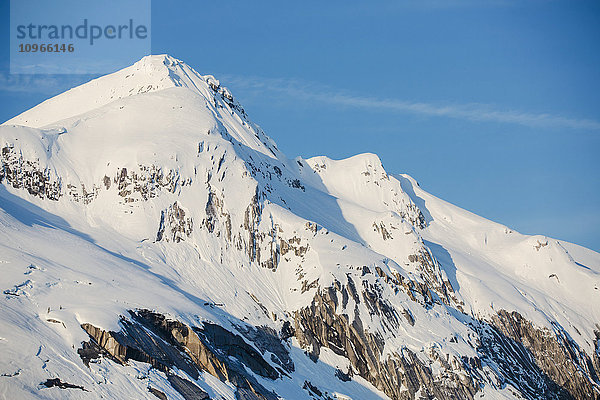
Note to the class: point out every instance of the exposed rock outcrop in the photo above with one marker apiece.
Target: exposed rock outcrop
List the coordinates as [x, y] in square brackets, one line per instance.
[145, 183]
[39, 181]
[266, 339]
[56, 382]
[166, 344]
[21, 173]
[174, 225]
[400, 376]
[555, 354]
[535, 362]
[431, 273]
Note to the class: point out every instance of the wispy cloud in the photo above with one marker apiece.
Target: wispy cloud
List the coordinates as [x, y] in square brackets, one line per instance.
[312, 92]
[42, 84]
[443, 4]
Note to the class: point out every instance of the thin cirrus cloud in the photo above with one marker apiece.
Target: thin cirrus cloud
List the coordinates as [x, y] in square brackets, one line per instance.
[40, 84]
[311, 92]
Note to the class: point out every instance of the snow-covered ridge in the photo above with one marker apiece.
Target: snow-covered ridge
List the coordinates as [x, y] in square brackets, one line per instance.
[496, 267]
[150, 74]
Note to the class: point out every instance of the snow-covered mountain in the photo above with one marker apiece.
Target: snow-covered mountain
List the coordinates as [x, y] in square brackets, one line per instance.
[154, 242]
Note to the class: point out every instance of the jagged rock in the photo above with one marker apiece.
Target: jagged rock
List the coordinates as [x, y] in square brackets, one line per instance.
[157, 393]
[408, 316]
[174, 222]
[56, 382]
[266, 339]
[293, 244]
[287, 331]
[296, 184]
[312, 389]
[234, 346]
[187, 389]
[431, 273]
[556, 355]
[41, 182]
[319, 326]
[251, 222]
[342, 376]
[146, 182]
[28, 174]
[106, 341]
[174, 344]
[385, 234]
[513, 363]
[213, 209]
[535, 361]
[90, 351]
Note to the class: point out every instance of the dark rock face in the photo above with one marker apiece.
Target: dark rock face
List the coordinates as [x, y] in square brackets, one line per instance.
[146, 183]
[187, 389]
[514, 364]
[151, 338]
[29, 175]
[234, 346]
[314, 391]
[319, 326]
[91, 351]
[573, 372]
[267, 340]
[157, 393]
[212, 209]
[382, 230]
[537, 363]
[342, 376]
[415, 216]
[174, 225]
[251, 222]
[56, 382]
[431, 273]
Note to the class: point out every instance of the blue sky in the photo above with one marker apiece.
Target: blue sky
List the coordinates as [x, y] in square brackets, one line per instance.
[491, 105]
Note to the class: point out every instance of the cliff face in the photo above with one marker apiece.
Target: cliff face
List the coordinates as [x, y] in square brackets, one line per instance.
[170, 345]
[269, 277]
[21, 173]
[510, 350]
[573, 372]
[400, 374]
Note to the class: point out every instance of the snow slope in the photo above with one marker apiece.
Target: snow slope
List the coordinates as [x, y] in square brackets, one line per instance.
[497, 268]
[151, 189]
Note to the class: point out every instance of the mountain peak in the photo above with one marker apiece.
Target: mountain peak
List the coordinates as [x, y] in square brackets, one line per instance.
[149, 74]
[165, 69]
[156, 68]
[157, 60]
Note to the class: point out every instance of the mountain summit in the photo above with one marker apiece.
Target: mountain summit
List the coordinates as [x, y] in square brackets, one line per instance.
[154, 242]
